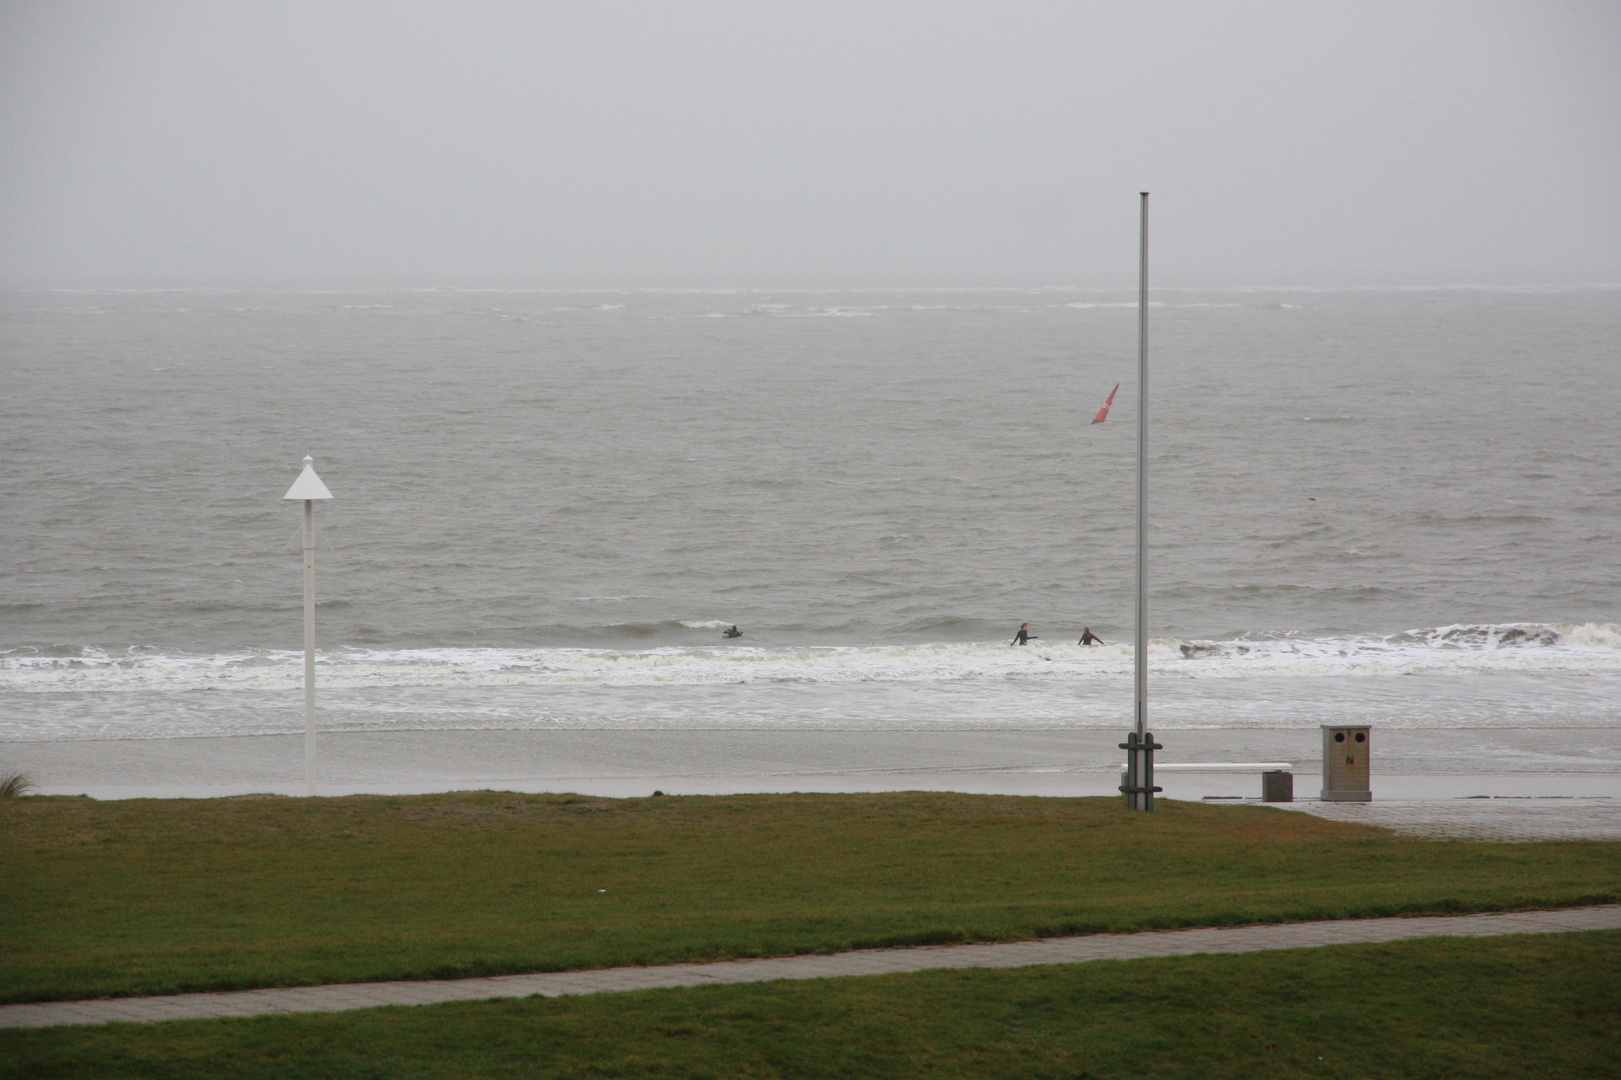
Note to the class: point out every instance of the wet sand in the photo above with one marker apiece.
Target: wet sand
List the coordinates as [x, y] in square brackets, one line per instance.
[1408, 765]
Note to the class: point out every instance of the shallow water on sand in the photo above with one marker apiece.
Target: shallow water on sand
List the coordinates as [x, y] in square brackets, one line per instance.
[1429, 764]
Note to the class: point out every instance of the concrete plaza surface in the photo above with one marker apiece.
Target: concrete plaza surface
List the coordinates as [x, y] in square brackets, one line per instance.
[1071, 950]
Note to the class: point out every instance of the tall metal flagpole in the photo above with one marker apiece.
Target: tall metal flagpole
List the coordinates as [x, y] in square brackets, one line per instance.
[1139, 787]
[1141, 667]
[308, 487]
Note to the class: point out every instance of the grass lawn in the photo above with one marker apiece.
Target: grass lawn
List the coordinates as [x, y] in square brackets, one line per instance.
[155, 896]
[1531, 1006]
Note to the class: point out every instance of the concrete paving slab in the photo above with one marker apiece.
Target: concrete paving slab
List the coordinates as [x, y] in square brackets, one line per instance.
[1513, 820]
[342, 997]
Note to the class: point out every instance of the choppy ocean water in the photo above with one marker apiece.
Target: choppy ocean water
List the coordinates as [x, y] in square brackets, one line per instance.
[1396, 506]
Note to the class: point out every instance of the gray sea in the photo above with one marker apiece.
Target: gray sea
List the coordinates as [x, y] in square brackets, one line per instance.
[1395, 507]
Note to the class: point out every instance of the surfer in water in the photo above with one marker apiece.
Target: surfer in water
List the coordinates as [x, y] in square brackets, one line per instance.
[1089, 638]
[731, 631]
[1024, 636]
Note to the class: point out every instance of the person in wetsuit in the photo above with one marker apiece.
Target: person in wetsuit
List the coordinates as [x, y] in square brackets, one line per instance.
[1024, 636]
[731, 632]
[1089, 638]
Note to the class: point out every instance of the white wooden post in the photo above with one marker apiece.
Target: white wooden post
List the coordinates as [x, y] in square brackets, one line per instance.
[308, 487]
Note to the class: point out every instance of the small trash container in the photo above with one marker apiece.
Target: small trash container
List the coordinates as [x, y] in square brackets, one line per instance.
[1345, 764]
[1277, 785]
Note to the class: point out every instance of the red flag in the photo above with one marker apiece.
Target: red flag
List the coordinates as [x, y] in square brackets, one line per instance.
[1103, 413]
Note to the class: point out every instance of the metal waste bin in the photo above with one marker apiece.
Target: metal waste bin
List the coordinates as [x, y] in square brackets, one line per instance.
[1345, 764]
[1277, 785]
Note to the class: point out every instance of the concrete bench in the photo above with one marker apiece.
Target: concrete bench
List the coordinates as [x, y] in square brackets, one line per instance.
[1277, 777]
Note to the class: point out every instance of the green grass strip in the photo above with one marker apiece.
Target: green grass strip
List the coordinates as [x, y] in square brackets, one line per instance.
[1523, 1006]
[151, 896]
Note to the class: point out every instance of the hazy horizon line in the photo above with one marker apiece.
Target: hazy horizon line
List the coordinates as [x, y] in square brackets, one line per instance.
[375, 286]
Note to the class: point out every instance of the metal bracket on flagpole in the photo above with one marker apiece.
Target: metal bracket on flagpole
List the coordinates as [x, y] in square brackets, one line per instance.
[1139, 787]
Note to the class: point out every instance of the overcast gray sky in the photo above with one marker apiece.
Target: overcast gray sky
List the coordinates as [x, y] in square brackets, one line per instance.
[698, 143]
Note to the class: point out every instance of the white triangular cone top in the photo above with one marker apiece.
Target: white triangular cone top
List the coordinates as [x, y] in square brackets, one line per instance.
[308, 485]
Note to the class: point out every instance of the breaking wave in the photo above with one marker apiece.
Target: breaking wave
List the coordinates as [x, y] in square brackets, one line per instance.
[1526, 648]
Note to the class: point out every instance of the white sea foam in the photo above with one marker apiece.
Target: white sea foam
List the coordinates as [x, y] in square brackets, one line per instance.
[1593, 635]
[1524, 648]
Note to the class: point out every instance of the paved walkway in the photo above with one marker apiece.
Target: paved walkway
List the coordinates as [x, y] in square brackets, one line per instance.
[345, 996]
[1510, 819]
